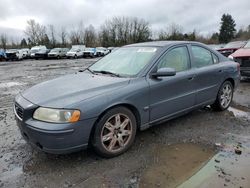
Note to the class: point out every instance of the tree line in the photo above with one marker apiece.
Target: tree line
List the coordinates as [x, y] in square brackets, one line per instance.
[119, 31]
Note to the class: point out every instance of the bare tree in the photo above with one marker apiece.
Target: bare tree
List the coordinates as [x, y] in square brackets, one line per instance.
[124, 30]
[52, 35]
[90, 36]
[63, 36]
[76, 35]
[35, 32]
[3, 41]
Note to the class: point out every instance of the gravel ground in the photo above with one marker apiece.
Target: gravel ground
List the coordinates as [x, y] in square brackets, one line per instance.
[162, 156]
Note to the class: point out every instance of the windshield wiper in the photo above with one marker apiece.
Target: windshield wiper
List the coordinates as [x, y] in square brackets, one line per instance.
[87, 70]
[107, 72]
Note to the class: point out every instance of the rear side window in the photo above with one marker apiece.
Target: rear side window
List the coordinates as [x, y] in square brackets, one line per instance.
[202, 57]
[177, 58]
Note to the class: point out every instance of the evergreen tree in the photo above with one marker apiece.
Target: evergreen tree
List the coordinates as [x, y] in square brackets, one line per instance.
[227, 29]
[23, 43]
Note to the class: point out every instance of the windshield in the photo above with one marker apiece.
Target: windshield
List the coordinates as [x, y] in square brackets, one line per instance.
[55, 50]
[127, 61]
[237, 44]
[11, 50]
[89, 49]
[74, 50]
[247, 45]
[34, 50]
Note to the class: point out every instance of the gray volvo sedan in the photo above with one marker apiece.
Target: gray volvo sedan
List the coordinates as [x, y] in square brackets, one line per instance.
[131, 89]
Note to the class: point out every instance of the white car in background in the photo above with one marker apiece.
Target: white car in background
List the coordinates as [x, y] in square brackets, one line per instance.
[58, 53]
[35, 49]
[101, 51]
[76, 51]
[26, 52]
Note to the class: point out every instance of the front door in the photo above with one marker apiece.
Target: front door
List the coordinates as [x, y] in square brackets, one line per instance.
[172, 94]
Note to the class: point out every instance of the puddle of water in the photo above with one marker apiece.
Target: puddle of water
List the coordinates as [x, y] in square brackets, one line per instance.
[10, 84]
[239, 113]
[225, 169]
[174, 164]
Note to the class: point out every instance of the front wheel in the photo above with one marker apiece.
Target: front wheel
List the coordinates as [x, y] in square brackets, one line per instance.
[114, 132]
[224, 97]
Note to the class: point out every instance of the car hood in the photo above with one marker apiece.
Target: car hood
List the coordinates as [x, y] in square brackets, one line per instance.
[41, 52]
[243, 52]
[227, 49]
[65, 91]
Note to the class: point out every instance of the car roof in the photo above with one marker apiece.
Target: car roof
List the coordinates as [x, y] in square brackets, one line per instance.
[162, 43]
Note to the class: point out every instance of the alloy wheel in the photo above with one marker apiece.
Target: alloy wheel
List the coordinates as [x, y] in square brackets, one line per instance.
[116, 132]
[226, 95]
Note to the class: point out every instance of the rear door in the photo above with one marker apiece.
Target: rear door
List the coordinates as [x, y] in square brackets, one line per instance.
[209, 74]
[172, 94]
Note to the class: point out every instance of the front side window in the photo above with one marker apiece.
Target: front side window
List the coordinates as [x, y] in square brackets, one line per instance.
[202, 57]
[177, 58]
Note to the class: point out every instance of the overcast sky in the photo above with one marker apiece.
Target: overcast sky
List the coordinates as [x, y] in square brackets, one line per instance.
[202, 15]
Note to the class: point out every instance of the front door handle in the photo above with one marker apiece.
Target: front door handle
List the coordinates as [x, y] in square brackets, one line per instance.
[191, 78]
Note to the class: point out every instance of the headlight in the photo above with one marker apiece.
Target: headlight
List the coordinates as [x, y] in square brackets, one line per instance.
[231, 57]
[56, 115]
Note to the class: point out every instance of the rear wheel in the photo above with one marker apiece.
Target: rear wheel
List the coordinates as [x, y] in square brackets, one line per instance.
[114, 132]
[224, 97]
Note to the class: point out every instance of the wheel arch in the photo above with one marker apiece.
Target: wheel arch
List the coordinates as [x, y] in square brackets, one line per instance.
[129, 106]
[231, 80]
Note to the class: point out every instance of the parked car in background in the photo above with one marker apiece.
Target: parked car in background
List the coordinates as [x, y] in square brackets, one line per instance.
[110, 49]
[26, 52]
[76, 51]
[89, 52]
[58, 53]
[216, 46]
[35, 49]
[231, 47]
[14, 54]
[2, 55]
[131, 89]
[242, 56]
[42, 54]
[101, 51]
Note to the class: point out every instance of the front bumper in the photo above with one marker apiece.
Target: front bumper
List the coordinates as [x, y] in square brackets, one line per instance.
[53, 55]
[41, 56]
[52, 137]
[71, 55]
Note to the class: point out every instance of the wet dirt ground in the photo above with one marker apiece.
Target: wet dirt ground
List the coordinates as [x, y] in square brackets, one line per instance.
[196, 150]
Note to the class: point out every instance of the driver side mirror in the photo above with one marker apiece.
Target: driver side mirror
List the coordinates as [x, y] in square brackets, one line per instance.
[163, 72]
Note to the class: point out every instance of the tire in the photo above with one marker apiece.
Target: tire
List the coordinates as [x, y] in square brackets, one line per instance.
[224, 97]
[114, 133]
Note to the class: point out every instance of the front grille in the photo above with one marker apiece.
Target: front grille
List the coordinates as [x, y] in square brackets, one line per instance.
[11, 55]
[244, 61]
[19, 111]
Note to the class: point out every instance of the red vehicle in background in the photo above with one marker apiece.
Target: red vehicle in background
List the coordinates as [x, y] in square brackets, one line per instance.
[231, 47]
[242, 56]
